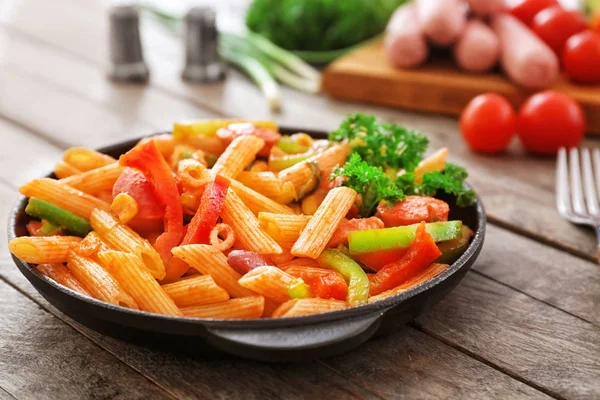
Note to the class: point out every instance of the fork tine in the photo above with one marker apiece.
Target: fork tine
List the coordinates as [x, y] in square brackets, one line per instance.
[589, 188]
[563, 198]
[576, 187]
[596, 163]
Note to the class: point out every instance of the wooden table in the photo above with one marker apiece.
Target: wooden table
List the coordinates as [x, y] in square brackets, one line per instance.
[524, 323]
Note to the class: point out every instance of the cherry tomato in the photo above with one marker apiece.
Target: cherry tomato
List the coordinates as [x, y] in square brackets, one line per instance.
[488, 123]
[525, 10]
[412, 210]
[555, 25]
[549, 120]
[581, 57]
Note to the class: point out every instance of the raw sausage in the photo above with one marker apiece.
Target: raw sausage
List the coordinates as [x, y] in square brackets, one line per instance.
[405, 42]
[486, 8]
[478, 49]
[443, 21]
[525, 58]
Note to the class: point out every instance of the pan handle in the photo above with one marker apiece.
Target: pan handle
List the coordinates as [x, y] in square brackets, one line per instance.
[271, 343]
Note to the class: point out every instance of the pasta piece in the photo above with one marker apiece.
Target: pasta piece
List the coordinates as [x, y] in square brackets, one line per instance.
[298, 262]
[210, 261]
[193, 175]
[298, 270]
[63, 196]
[326, 160]
[435, 162]
[95, 180]
[61, 274]
[242, 308]
[266, 183]
[64, 170]
[281, 258]
[246, 226]
[284, 228]
[43, 249]
[100, 283]
[237, 156]
[222, 231]
[259, 166]
[257, 202]
[129, 270]
[299, 307]
[320, 228]
[195, 290]
[270, 282]
[123, 238]
[165, 143]
[91, 245]
[85, 159]
[125, 207]
[431, 272]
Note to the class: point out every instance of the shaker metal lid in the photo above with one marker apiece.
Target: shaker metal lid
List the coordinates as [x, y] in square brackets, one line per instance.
[126, 55]
[202, 62]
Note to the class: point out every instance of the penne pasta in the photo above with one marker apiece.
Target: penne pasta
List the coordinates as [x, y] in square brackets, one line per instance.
[270, 282]
[222, 237]
[237, 156]
[193, 174]
[298, 270]
[435, 162]
[257, 202]
[165, 143]
[246, 226]
[63, 196]
[124, 207]
[326, 160]
[100, 283]
[268, 184]
[85, 159]
[195, 290]
[320, 228]
[91, 245]
[431, 272]
[210, 261]
[298, 262]
[242, 308]
[121, 237]
[129, 270]
[95, 180]
[61, 274]
[64, 170]
[284, 228]
[299, 307]
[43, 249]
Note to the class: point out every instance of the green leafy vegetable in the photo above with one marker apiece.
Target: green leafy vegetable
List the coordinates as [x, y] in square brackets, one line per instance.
[370, 182]
[380, 144]
[319, 24]
[450, 180]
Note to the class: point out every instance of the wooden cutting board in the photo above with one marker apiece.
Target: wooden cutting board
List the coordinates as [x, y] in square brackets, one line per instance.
[439, 86]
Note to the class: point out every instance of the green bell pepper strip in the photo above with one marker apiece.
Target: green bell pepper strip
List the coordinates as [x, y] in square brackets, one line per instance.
[290, 146]
[400, 236]
[49, 229]
[283, 162]
[298, 289]
[355, 276]
[71, 223]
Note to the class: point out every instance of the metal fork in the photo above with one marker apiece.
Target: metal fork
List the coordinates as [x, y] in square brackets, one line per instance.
[576, 193]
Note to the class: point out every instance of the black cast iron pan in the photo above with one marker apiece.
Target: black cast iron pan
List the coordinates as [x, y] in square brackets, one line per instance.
[286, 339]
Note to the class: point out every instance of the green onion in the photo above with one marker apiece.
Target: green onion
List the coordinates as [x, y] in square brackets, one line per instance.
[72, 223]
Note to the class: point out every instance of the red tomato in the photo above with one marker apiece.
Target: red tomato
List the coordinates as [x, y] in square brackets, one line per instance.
[550, 120]
[581, 57]
[325, 284]
[150, 210]
[340, 236]
[412, 210]
[488, 123]
[525, 10]
[555, 25]
[246, 128]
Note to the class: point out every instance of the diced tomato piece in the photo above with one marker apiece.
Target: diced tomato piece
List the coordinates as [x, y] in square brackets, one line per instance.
[378, 259]
[412, 210]
[340, 236]
[420, 254]
[246, 128]
[324, 283]
[150, 210]
[33, 227]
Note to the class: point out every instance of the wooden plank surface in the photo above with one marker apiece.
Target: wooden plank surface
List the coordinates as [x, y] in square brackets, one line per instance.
[438, 86]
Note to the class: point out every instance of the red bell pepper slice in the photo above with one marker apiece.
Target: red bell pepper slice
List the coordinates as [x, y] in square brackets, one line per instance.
[148, 159]
[379, 259]
[419, 255]
[204, 220]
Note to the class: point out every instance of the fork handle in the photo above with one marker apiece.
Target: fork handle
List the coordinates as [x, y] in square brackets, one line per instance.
[597, 228]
